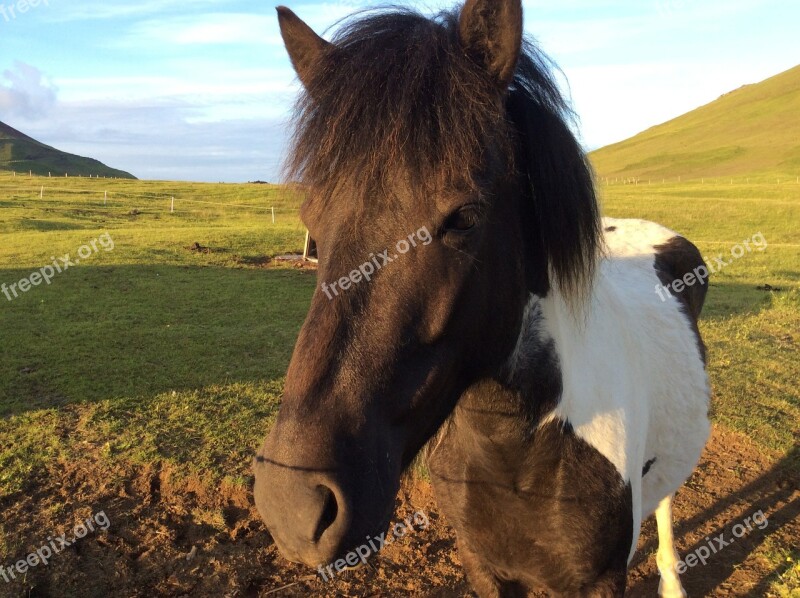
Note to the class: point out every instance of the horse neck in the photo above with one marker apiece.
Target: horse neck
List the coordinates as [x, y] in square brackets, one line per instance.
[510, 405]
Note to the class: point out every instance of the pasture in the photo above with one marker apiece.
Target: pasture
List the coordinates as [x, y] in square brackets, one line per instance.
[140, 381]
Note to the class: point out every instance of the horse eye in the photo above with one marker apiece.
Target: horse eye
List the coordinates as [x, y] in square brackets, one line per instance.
[462, 220]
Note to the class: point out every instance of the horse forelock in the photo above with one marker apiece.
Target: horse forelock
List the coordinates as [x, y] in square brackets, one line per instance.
[395, 96]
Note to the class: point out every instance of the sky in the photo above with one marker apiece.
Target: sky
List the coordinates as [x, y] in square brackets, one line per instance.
[203, 90]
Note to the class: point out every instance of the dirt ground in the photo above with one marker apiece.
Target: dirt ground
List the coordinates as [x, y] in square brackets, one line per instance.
[169, 539]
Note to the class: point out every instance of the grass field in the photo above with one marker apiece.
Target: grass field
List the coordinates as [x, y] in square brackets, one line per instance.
[113, 344]
[158, 352]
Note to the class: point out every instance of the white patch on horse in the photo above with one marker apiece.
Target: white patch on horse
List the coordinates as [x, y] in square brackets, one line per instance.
[634, 384]
[667, 557]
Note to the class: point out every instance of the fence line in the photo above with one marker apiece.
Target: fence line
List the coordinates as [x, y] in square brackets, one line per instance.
[731, 243]
[70, 190]
[759, 180]
[170, 201]
[170, 204]
[30, 175]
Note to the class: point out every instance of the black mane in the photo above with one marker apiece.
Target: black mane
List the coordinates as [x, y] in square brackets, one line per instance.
[396, 96]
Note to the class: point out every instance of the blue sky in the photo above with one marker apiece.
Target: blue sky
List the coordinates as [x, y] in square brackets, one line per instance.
[202, 89]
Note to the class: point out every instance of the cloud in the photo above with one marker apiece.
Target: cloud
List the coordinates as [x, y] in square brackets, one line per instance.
[160, 140]
[233, 28]
[208, 28]
[26, 93]
[84, 11]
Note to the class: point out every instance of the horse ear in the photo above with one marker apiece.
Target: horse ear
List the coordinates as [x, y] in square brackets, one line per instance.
[491, 34]
[303, 45]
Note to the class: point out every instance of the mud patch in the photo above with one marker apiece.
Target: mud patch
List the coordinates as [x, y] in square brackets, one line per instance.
[296, 260]
[196, 247]
[175, 536]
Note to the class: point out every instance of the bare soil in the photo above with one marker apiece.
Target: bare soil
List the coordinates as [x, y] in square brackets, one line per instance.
[170, 538]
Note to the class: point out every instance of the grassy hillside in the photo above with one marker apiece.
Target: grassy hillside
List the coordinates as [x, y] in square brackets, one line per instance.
[23, 154]
[753, 130]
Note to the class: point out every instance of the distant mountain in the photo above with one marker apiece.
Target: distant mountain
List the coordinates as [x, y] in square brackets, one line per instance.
[753, 130]
[21, 153]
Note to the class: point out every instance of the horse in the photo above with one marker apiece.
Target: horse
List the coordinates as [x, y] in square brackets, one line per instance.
[547, 361]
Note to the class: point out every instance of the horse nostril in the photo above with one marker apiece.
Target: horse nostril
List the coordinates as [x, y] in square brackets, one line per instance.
[330, 509]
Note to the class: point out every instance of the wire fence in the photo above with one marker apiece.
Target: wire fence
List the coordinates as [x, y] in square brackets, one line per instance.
[752, 180]
[103, 200]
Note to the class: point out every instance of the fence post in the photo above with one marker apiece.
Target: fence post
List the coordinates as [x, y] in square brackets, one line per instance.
[105, 197]
[172, 205]
[273, 215]
[41, 193]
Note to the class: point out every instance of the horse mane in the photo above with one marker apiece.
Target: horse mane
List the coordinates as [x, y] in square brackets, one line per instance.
[562, 207]
[396, 96]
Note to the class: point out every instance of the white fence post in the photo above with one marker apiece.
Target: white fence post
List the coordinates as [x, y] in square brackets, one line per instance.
[273, 215]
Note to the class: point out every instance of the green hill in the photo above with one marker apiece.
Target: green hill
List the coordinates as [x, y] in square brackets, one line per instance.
[753, 130]
[21, 153]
